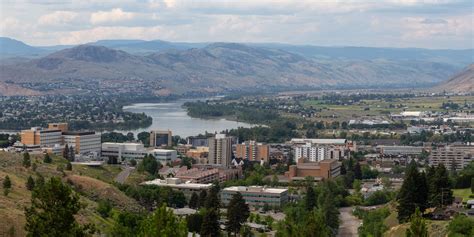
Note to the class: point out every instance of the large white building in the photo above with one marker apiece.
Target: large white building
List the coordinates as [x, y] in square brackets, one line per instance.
[177, 184]
[83, 142]
[256, 196]
[316, 150]
[123, 151]
[163, 155]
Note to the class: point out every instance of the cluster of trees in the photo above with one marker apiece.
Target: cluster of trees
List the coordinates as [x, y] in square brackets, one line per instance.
[68, 153]
[372, 222]
[428, 136]
[317, 214]
[420, 190]
[117, 137]
[150, 165]
[7, 140]
[151, 197]
[465, 177]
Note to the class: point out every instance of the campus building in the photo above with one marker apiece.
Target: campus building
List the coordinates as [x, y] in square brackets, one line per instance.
[455, 156]
[399, 150]
[220, 150]
[252, 151]
[324, 169]
[164, 156]
[161, 138]
[41, 136]
[315, 150]
[177, 184]
[83, 142]
[123, 151]
[257, 196]
[58, 126]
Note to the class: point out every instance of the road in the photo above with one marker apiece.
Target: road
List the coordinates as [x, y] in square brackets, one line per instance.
[123, 175]
[349, 223]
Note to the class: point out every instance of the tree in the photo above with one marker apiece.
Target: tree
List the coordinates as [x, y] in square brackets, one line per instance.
[210, 223]
[66, 152]
[213, 200]
[7, 185]
[472, 185]
[202, 198]
[52, 210]
[162, 222]
[68, 166]
[417, 226]
[310, 198]
[30, 183]
[357, 171]
[26, 160]
[237, 213]
[194, 201]
[440, 193]
[194, 222]
[461, 225]
[47, 159]
[72, 154]
[104, 207]
[316, 225]
[409, 197]
[149, 164]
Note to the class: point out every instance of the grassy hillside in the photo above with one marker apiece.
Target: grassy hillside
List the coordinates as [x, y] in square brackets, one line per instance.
[88, 182]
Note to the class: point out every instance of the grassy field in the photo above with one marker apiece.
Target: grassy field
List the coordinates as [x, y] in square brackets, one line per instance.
[90, 188]
[382, 107]
[464, 193]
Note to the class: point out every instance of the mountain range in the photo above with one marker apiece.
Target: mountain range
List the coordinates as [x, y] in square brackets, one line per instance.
[462, 82]
[181, 68]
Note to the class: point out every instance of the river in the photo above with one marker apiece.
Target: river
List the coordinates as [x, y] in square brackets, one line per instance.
[174, 117]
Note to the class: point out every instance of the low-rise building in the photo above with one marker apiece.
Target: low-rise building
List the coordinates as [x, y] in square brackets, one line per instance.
[123, 151]
[41, 136]
[177, 184]
[400, 150]
[257, 196]
[164, 155]
[318, 170]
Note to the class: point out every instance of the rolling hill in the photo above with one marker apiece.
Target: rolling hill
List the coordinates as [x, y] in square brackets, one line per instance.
[462, 82]
[217, 67]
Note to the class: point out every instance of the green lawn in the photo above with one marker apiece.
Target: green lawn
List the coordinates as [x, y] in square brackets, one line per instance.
[464, 193]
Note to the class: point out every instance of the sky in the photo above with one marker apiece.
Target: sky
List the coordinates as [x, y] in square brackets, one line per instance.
[375, 23]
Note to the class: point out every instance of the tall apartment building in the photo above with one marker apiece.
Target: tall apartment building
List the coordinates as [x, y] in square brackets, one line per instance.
[314, 152]
[252, 151]
[449, 156]
[42, 137]
[161, 138]
[83, 142]
[220, 150]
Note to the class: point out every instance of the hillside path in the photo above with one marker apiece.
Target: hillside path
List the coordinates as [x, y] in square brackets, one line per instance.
[349, 223]
[123, 175]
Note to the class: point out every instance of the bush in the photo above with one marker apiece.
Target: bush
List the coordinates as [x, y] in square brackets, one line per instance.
[104, 208]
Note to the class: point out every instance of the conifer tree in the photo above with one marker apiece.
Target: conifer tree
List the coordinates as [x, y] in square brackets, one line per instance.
[66, 152]
[237, 213]
[418, 226]
[210, 223]
[193, 201]
[47, 159]
[7, 185]
[202, 198]
[30, 183]
[440, 188]
[409, 195]
[310, 199]
[26, 160]
[162, 222]
[357, 171]
[72, 154]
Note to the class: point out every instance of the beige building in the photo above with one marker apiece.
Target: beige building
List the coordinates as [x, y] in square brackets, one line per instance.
[83, 142]
[59, 126]
[455, 155]
[41, 137]
[220, 150]
[318, 170]
[252, 151]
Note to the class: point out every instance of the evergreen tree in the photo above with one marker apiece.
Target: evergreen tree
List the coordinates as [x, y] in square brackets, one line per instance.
[440, 188]
[66, 152]
[39, 181]
[162, 222]
[72, 154]
[202, 198]
[343, 169]
[409, 195]
[237, 213]
[7, 185]
[194, 201]
[316, 225]
[210, 223]
[194, 222]
[472, 185]
[47, 159]
[310, 199]
[52, 210]
[423, 191]
[30, 183]
[418, 226]
[213, 200]
[68, 166]
[26, 160]
[357, 171]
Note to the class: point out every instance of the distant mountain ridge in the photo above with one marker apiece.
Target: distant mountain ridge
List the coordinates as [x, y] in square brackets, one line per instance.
[217, 67]
[462, 82]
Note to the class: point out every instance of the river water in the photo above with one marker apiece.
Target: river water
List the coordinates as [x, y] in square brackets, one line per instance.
[174, 117]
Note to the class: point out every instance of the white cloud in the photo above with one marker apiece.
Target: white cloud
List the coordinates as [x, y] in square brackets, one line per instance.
[115, 15]
[57, 18]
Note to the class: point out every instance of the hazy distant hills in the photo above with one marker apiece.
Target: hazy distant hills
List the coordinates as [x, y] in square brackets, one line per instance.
[460, 83]
[222, 67]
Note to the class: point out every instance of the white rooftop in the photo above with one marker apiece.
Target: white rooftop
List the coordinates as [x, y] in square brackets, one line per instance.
[255, 189]
[319, 141]
[174, 183]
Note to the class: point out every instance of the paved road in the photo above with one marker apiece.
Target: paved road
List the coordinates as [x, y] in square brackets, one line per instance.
[122, 176]
[349, 223]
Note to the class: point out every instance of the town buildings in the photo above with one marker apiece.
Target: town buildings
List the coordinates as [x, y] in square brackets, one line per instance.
[41, 136]
[196, 141]
[123, 151]
[163, 155]
[161, 138]
[257, 196]
[179, 185]
[220, 150]
[452, 157]
[400, 150]
[252, 151]
[315, 150]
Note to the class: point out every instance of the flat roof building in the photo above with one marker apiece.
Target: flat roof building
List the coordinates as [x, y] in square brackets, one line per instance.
[456, 157]
[163, 155]
[318, 170]
[220, 150]
[41, 136]
[256, 196]
[84, 142]
[161, 138]
[123, 151]
[177, 184]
